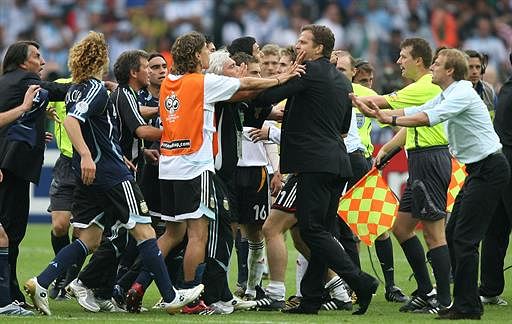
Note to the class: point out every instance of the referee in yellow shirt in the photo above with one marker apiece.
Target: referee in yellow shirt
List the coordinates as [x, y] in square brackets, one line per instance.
[430, 162]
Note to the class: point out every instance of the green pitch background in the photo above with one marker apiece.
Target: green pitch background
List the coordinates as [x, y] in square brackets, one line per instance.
[36, 252]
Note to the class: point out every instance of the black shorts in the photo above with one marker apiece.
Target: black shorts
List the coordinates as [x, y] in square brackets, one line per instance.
[150, 187]
[433, 167]
[285, 199]
[62, 186]
[123, 202]
[188, 199]
[252, 194]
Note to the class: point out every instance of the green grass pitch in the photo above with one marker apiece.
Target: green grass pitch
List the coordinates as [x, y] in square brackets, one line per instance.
[36, 252]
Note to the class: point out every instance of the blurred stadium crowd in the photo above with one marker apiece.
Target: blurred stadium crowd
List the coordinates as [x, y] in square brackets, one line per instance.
[369, 29]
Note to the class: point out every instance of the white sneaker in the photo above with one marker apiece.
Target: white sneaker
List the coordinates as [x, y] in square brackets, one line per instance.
[39, 295]
[106, 305]
[496, 300]
[222, 308]
[15, 309]
[183, 297]
[84, 296]
[240, 304]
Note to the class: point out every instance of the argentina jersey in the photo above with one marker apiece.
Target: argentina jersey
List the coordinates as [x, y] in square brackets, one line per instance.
[89, 103]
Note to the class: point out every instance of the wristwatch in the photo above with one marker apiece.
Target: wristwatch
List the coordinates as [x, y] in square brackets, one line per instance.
[393, 120]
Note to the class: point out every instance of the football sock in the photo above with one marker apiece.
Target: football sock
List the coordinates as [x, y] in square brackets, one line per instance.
[59, 242]
[384, 251]
[154, 263]
[440, 260]
[337, 289]
[415, 255]
[255, 264]
[71, 254]
[5, 293]
[276, 290]
[242, 251]
[302, 266]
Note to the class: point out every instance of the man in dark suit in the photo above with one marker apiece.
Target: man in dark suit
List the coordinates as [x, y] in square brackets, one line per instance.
[20, 162]
[316, 117]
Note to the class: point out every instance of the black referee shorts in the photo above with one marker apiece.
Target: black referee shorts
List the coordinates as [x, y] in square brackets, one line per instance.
[62, 186]
[433, 167]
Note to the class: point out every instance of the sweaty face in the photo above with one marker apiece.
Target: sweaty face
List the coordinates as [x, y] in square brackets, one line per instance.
[157, 70]
[475, 69]
[269, 65]
[230, 69]
[439, 73]
[284, 63]
[254, 70]
[344, 66]
[306, 44]
[363, 78]
[142, 75]
[256, 52]
[204, 57]
[407, 63]
[34, 62]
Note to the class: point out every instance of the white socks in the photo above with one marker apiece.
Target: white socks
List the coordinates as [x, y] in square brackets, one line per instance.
[302, 265]
[255, 265]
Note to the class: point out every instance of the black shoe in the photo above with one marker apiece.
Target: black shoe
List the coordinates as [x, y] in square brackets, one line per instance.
[57, 287]
[260, 292]
[299, 310]
[119, 296]
[394, 294]
[451, 314]
[364, 297]
[417, 302]
[432, 307]
[293, 301]
[336, 304]
[269, 304]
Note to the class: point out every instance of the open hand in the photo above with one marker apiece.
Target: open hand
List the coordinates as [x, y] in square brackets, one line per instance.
[29, 96]
[257, 134]
[88, 168]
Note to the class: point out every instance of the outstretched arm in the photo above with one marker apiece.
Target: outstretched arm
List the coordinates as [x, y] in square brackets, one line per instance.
[11, 115]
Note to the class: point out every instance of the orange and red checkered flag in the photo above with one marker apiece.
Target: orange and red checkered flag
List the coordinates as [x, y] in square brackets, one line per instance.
[457, 180]
[369, 207]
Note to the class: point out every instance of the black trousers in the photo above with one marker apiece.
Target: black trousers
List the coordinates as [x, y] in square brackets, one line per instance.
[14, 207]
[218, 249]
[470, 219]
[317, 202]
[495, 242]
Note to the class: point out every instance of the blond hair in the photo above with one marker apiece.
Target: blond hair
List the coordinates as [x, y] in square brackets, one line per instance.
[88, 58]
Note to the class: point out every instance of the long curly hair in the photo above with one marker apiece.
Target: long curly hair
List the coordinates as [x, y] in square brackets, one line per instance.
[88, 57]
[184, 52]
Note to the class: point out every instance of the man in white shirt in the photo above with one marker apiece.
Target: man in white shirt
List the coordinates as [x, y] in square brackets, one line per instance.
[472, 141]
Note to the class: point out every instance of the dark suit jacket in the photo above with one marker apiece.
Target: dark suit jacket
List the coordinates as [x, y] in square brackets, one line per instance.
[317, 113]
[18, 157]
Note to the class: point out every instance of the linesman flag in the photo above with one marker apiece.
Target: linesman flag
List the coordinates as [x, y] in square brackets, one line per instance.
[369, 207]
[457, 180]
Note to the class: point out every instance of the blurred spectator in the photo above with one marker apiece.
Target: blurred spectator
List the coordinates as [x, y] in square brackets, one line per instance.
[332, 18]
[123, 39]
[484, 41]
[444, 27]
[183, 16]
[371, 29]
